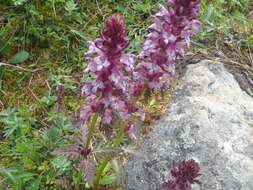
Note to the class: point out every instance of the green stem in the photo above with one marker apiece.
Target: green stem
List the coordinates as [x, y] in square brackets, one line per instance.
[146, 96]
[54, 8]
[101, 168]
[92, 127]
[120, 134]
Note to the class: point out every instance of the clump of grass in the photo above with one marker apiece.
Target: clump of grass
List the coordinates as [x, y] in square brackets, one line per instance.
[218, 16]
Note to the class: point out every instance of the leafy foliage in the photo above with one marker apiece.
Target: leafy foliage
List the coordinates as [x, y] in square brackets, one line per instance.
[26, 150]
[218, 15]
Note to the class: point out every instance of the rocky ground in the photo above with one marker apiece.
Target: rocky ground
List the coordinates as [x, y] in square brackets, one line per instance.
[209, 120]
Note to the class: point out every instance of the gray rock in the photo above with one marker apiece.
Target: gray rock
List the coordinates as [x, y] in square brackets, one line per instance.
[210, 120]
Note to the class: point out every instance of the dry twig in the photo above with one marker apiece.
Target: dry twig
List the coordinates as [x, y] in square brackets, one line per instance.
[101, 12]
[20, 68]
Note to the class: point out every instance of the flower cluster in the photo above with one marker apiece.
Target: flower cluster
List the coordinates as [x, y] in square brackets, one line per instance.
[185, 174]
[108, 93]
[117, 77]
[165, 44]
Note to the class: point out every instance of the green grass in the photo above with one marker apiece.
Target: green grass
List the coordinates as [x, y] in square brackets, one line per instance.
[53, 33]
[221, 17]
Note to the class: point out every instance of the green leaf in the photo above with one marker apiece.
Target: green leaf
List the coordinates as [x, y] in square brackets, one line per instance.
[107, 180]
[19, 2]
[70, 6]
[19, 57]
[3, 46]
[25, 176]
[101, 169]
[34, 185]
[61, 165]
[78, 33]
[8, 173]
[1, 72]
[51, 135]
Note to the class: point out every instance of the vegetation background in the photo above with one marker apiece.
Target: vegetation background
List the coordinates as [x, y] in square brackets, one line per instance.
[42, 45]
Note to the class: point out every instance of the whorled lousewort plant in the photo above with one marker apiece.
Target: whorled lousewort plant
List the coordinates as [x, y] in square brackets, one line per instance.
[185, 174]
[119, 78]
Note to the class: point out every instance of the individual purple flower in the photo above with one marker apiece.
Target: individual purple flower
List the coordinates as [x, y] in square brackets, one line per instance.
[129, 131]
[108, 93]
[166, 42]
[185, 174]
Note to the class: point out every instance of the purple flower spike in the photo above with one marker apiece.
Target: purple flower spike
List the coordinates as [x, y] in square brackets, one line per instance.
[185, 174]
[165, 44]
[109, 93]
